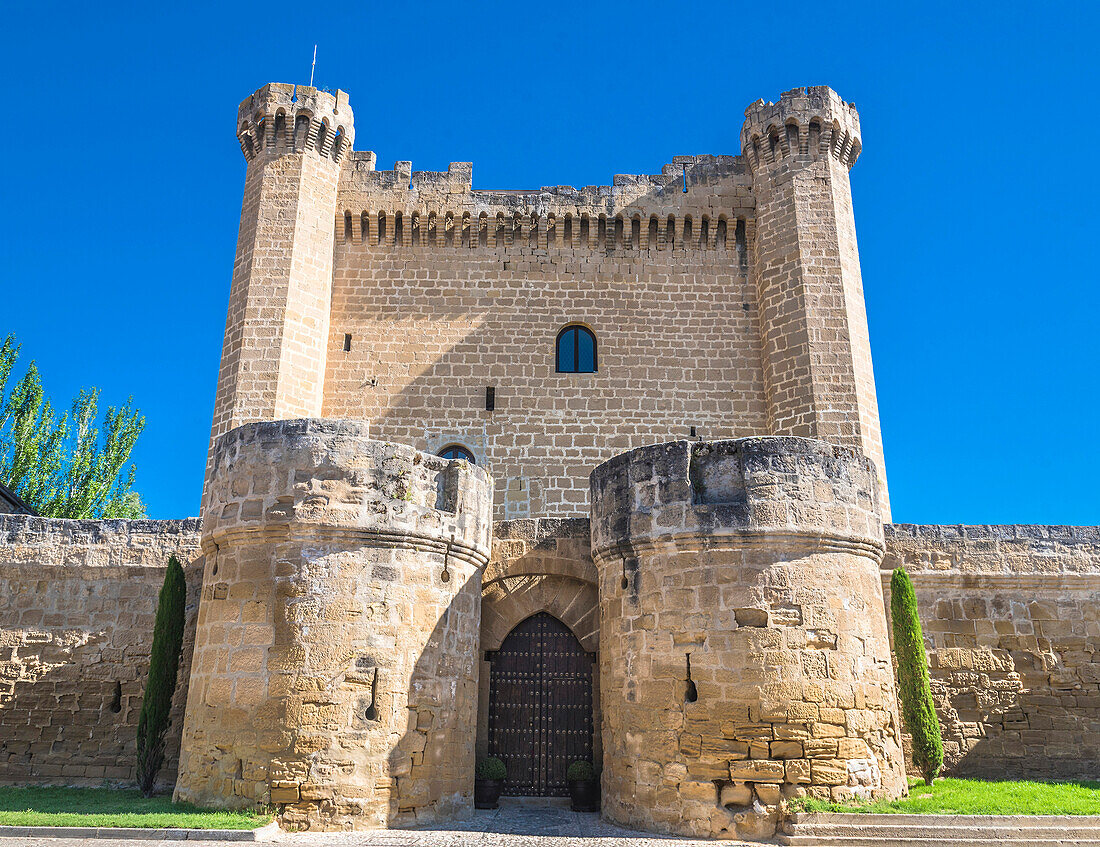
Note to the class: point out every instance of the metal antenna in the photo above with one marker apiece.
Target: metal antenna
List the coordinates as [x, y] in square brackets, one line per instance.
[313, 67]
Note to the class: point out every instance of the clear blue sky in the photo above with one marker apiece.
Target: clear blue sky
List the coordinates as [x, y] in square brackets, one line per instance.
[975, 193]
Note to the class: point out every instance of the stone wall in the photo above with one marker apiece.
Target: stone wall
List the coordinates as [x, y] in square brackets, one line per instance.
[539, 565]
[743, 647]
[77, 604]
[335, 670]
[424, 320]
[1011, 616]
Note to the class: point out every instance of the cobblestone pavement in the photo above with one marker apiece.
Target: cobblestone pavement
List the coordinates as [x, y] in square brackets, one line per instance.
[513, 825]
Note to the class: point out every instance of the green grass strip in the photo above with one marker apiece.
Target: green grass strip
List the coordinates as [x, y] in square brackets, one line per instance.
[114, 807]
[977, 797]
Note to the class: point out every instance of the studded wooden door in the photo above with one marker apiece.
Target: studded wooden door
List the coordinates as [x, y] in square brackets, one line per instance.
[540, 706]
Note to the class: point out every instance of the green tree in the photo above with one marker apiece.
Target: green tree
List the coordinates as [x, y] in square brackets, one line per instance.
[64, 466]
[164, 663]
[914, 688]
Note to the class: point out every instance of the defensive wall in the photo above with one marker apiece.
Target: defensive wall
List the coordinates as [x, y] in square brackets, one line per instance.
[1010, 615]
[77, 603]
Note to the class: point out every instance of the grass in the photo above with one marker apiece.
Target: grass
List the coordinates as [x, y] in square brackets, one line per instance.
[113, 807]
[977, 797]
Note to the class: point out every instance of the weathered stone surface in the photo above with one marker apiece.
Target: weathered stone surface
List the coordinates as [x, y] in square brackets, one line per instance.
[1011, 615]
[349, 699]
[77, 604]
[751, 548]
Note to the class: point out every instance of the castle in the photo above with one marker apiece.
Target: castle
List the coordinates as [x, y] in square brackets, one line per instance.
[552, 475]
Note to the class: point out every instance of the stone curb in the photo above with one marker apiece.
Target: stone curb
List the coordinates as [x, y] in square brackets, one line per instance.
[268, 832]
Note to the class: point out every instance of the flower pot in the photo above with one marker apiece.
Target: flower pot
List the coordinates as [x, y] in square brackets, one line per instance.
[584, 795]
[487, 792]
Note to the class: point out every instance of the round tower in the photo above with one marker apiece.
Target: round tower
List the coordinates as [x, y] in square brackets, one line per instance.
[805, 261]
[335, 666]
[744, 655]
[294, 140]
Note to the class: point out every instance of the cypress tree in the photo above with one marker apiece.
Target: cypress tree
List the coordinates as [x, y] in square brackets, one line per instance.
[914, 689]
[161, 685]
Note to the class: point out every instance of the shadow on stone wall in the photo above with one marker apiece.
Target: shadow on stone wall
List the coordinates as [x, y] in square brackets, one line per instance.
[431, 767]
[74, 668]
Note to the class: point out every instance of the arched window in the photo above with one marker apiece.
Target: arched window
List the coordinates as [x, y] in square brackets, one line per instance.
[576, 350]
[457, 451]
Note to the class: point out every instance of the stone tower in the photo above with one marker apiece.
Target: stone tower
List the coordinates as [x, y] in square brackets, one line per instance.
[335, 669]
[273, 354]
[816, 350]
[743, 647]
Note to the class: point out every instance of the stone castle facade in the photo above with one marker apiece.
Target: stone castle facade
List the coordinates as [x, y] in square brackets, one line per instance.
[551, 475]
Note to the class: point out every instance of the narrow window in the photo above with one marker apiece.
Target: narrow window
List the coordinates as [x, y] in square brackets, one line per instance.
[280, 130]
[381, 227]
[670, 231]
[457, 451]
[398, 229]
[347, 342]
[364, 228]
[301, 132]
[721, 234]
[619, 232]
[636, 233]
[576, 350]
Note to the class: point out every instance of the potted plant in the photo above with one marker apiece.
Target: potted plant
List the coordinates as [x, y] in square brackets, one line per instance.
[488, 780]
[584, 787]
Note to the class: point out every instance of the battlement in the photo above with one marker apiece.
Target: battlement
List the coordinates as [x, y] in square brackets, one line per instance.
[773, 487]
[811, 122]
[696, 202]
[282, 118]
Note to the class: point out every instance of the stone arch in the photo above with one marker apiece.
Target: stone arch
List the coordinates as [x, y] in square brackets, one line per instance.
[510, 600]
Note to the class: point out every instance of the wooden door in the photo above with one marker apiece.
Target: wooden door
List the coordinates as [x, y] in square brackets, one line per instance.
[540, 706]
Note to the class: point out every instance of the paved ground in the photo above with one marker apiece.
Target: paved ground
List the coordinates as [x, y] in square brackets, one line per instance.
[515, 824]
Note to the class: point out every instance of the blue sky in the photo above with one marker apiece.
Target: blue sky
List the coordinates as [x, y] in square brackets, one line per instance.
[975, 193]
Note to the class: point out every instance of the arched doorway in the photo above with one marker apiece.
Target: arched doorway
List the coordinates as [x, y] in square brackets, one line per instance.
[540, 706]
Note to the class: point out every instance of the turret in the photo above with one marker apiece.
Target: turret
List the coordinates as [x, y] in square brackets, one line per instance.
[817, 354]
[294, 139]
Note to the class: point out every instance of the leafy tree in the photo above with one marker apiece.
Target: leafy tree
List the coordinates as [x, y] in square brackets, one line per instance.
[164, 663]
[64, 466]
[914, 689]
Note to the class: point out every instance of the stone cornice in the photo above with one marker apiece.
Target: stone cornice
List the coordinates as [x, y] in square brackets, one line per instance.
[729, 538]
[282, 533]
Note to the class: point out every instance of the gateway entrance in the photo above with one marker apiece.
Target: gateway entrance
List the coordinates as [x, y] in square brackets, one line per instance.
[540, 706]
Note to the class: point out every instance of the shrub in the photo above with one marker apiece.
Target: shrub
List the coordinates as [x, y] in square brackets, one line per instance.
[914, 689]
[579, 771]
[164, 662]
[491, 768]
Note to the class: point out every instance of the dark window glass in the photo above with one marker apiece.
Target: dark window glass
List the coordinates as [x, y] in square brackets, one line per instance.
[576, 350]
[457, 451]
